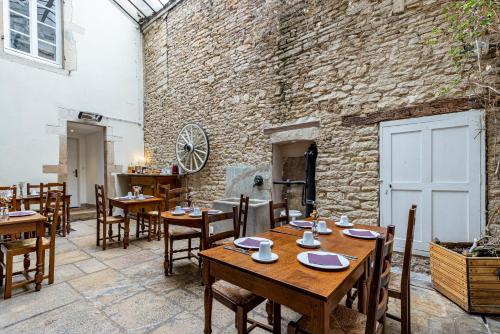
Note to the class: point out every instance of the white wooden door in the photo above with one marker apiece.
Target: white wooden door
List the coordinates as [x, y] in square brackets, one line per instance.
[73, 172]
[437, 163]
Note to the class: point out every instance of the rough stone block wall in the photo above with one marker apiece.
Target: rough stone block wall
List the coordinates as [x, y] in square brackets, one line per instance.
[237, 67]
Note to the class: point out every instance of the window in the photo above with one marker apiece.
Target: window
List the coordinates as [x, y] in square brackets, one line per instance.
[33, 28]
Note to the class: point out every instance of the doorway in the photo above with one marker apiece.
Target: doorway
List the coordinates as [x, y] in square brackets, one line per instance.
[437, 163]
[86, 161]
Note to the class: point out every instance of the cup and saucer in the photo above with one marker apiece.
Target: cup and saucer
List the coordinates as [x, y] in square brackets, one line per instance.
[322, 228]
[264, 255]
[196, 213]
[178, 211]
[308, 241]
[344, 222]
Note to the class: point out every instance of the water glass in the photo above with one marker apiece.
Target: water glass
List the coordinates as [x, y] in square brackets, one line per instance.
[4, 214]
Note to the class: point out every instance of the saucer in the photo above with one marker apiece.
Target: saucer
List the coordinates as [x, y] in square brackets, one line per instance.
[301, 243]
[327, 231]
[178, 213]
[195, 216]
[256, 258]
[346, 225]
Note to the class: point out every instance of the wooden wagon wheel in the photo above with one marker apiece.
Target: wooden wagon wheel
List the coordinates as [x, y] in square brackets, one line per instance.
[192, 148]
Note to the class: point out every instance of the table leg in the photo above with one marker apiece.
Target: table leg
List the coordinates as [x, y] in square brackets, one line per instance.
[208, 280]
[320, 319]
[126, 237]
[276, 318]
[166, 239]
[362, 288]
[40, 230]
[68, 217]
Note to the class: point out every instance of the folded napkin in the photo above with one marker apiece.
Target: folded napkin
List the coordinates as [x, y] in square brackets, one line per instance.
[324, 260]
[21, 213]
[125, 198]
[364, 233]
[213, 212]
[303, 223]
[187, 209]
[250, 242]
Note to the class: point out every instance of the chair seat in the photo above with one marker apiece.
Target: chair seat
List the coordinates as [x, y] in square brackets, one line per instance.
[182, 231]
[26, 243]
[113, 219]
[343, 320]
[233, 292]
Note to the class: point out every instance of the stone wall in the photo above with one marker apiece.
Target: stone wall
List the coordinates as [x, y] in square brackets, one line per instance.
[237, 67]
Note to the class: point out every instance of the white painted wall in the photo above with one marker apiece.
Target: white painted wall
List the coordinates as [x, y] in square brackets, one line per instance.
[102, 74]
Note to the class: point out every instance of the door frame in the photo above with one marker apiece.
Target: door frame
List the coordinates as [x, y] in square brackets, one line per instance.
[78, 185]
[442, 117]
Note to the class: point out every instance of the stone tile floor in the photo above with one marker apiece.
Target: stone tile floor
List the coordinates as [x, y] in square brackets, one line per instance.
[125, 291]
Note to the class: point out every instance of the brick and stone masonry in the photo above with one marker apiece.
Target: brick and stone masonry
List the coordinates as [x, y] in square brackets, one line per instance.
[238, 67]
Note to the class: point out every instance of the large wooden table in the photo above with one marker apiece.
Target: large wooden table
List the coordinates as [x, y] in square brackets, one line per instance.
[133, 205]
[32, 223]
[287, 282]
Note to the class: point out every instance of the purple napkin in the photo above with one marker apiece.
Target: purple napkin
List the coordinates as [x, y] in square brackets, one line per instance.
[21, 213]
[324, 260]
[361, 233]
[187, 209]
[213, 212]
[250, 242]
[303, 223]
[125, 198]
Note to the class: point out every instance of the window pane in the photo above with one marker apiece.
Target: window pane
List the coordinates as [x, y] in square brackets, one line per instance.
[47, 33]
[46, 16]
[19, 42]
[20, 6]
[47, 3]
[46, 51]
[19, 23]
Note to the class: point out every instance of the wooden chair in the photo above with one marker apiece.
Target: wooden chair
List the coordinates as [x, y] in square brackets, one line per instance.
[105, 218]
[40, 190]
[150, 219]
[399, 286]
[174, 197]
[13, 205]
[346, 320]
[65, 227]
[239, 300]
[243, 214]
[28, 245]
[275, 220]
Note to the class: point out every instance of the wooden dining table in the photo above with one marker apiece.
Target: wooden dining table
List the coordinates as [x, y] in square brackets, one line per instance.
[287, 282]
[133, 206]
[29, 200]
[26, 224]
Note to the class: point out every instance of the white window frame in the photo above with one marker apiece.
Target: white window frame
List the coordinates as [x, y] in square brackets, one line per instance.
[33, 17]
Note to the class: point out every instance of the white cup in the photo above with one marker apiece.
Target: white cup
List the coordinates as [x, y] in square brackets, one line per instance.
[344, 220]
[308, 238]
[265, 250]
[322, 226]
[178, 208]
[34, 192]
[196, 211]
[141, 196]
[129, 194]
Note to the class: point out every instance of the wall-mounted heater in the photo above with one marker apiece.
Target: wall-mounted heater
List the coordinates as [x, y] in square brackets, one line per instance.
[89, 116]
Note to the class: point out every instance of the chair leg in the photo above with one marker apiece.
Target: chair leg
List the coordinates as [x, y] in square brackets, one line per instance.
[8, 277]
[159, 229]
[1, 268]
[241, 315]
[171, 254]
[98, 233]
[137, 225]
[189, 249]
[405, 314]
[269, 311]
[52, 261]
[26, 263]
[104, 236]
[149, 228]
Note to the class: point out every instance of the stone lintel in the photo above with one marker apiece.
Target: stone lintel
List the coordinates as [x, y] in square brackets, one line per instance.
[295, 126]
[54, 169]
[294, 135]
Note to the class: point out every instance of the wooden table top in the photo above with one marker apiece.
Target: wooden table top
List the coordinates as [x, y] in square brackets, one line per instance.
[170, 216]
[289, 271]
[134, 201]
[25, 219]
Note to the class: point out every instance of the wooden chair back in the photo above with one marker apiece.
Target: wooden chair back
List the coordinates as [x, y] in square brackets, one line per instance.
[177, 196]
[209, 240]
[59, 187]
[13, 204]
[51, 208]
[40, 189]
[274, 220]
[243, 214]
[100, 203]
[379, 284]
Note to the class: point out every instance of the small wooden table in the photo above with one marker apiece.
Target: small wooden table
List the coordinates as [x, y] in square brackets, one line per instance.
[25, 224]
[180, 220]
[35, 199]
[133, 205]
[287, 282]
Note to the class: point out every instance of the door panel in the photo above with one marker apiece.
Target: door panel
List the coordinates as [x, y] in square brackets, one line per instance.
[437, 163]
[73, 177]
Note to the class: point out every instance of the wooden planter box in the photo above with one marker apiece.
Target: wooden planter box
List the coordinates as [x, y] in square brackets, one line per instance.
[471, 282]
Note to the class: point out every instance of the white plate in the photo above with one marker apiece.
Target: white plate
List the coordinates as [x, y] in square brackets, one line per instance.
[291, 213]
[301, 243]
[346, 225]
[194, 216]
[214, 212]
[256, 258]
[294, 223]
[303, 258]
[178, 213]
[374, 234]
[238, 241]
[327, 231]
